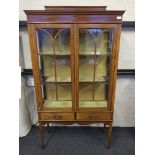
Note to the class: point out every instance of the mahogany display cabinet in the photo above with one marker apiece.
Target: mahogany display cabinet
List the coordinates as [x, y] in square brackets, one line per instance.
[74, 53]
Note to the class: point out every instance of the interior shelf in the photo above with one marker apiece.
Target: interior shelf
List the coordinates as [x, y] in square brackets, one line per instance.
[90, 79]
[59, 79]
[92, 104]
[57, 104]
[56, 53]
[68, 104]
[68, 54]
[93, 53]
[81, 79]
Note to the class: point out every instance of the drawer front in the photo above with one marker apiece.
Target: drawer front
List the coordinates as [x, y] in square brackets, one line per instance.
[93, 116]
[57, 116]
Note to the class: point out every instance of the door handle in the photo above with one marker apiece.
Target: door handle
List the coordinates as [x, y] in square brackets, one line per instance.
[92, 117]
[57, 117]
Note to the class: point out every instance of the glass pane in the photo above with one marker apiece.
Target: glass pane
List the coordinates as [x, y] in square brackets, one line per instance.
[63, 68]
[86, 42]
[47, 66]
[100, 91]
[101, 67]
[95, 50]
[85, 91]
[54, 56]
[64, 91]
[86, 69]
[62, 42]
[104, 42]
[50, 93]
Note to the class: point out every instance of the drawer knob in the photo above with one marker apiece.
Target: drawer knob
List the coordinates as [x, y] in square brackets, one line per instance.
[57, 117]
[92, 117]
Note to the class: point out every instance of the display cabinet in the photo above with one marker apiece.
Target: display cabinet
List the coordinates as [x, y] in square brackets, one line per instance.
[74, 53]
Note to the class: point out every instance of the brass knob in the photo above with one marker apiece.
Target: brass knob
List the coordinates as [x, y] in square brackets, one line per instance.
[92, 117]
[57, 117]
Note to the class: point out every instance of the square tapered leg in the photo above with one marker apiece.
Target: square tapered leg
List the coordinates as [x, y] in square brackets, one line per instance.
[109, 134]
[42, 135]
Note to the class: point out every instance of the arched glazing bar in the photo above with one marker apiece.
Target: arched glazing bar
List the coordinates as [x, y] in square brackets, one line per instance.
[95, 39]
[94, 56]
[54, 55]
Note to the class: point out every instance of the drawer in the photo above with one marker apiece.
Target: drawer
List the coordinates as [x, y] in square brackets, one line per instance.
[93, 116]
[57, 116]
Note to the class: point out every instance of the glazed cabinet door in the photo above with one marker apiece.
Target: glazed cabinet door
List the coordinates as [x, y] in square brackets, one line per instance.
[94, 64]
[56, 65]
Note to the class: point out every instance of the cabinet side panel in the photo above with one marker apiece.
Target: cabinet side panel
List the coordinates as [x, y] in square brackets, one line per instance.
[112, 68]
[35, 65]
[118, 31]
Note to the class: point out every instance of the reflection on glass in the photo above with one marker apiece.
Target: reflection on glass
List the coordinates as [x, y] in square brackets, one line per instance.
[95, 49]
[54, 55]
